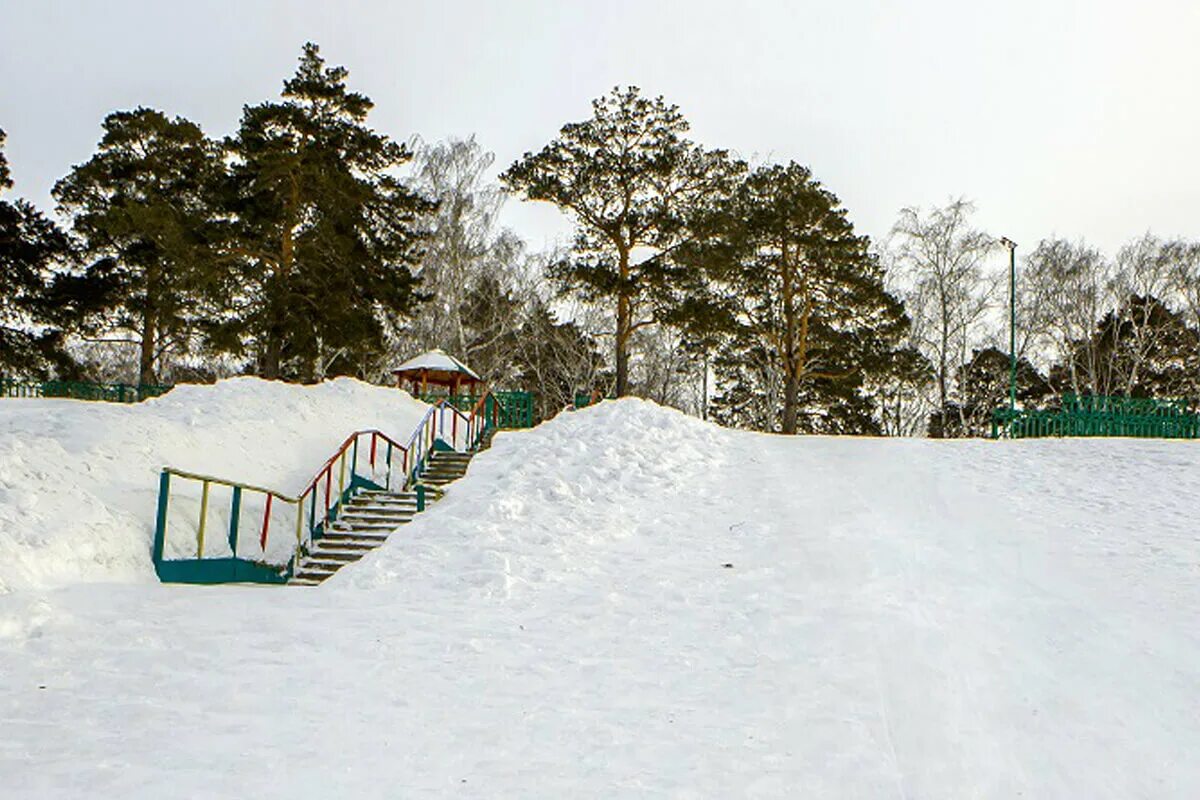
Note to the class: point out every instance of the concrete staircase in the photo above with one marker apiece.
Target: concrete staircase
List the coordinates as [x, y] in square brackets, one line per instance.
[366, 521]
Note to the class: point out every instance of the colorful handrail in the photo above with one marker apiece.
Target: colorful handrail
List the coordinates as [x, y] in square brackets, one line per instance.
[365, 460]
[353, 472]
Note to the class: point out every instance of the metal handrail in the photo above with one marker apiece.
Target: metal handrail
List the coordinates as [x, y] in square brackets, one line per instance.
[414, 456]
[310, 491]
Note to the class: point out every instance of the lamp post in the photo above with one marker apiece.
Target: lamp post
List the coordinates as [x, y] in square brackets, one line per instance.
[1012, 321]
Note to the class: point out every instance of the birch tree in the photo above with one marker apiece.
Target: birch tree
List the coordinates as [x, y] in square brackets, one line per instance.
[949, 294]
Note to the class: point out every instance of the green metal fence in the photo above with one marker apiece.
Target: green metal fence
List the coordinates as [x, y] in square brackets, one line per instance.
[514, 409]
[81, 390]
[1100, 415]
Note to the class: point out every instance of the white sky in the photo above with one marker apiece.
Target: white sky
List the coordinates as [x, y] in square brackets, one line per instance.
[1056, 117]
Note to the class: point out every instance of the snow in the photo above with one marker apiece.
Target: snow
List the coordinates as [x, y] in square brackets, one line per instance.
[79, 480]
[628, 602]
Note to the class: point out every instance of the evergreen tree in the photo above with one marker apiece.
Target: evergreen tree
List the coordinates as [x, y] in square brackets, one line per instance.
[326, 233]
[555, 360]
[807, 315]
[142, 209]
[1142, 349]
[983, 387]
[630, 179]
[30, 246]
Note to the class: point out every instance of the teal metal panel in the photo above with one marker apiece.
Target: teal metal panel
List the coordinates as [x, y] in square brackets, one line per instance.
[208, 571]
[160, 527]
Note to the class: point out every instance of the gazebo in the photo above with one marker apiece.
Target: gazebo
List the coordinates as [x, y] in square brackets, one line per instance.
[437, 369]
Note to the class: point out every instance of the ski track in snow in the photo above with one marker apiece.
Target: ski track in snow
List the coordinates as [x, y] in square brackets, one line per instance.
[901, 619]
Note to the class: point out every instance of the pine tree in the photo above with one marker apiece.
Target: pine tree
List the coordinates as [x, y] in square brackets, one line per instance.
[30, 246]
[143, 211]
[983, 387]
[630, 179]
[326, 233]
[1141, 349]
[807, 317]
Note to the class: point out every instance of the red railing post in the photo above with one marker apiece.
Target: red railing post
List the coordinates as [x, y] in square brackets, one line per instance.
[262, 541]
[374, 437]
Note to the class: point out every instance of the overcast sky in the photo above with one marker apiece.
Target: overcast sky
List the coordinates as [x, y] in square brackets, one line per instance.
[1071, 118]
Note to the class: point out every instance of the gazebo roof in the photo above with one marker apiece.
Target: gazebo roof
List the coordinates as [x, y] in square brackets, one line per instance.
[436, 364]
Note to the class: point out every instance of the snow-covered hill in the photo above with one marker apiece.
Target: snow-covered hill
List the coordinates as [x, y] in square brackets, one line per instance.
[626, 602]
[78, 480]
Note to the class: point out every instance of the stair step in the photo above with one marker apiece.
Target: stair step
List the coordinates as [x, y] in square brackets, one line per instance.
[298, 581]
[345, 536]
[316, 563]
[351, 526]
[408, 498]
[337, 554]
[390, 508]
[345, 556]
[358, 543]
[376, 515]
[311, 578]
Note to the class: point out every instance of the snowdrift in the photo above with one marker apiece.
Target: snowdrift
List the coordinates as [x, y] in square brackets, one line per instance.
[626, 602]
[78, 480]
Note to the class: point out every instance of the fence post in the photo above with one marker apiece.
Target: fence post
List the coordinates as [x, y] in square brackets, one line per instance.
[160, 528]
[262, 542]
[203, 520]
[235, 516]
[420, 497]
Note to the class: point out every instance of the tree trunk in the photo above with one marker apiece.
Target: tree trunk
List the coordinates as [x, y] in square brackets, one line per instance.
[272, 353]
[277, 284]
[622, 340]
[146, 361]
[791, 390]
[791, 382]
[624, 323]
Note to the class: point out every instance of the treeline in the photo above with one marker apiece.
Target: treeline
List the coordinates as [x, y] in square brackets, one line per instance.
[1085, 323]
[303, 246]
[307, 245]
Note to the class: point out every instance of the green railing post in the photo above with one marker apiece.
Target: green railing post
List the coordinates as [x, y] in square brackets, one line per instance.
[235, 515]
[420, 497]
[160, 528]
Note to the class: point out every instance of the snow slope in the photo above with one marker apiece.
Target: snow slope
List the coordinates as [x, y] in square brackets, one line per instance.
[79, 480]
[626, 602]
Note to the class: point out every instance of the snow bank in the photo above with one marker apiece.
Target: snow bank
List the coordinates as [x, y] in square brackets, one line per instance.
[625, 602]
[538, 504]
[79, 480]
